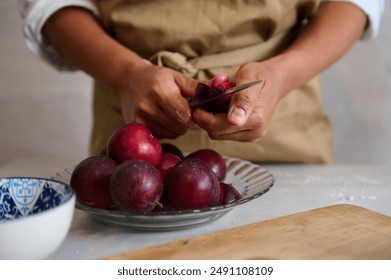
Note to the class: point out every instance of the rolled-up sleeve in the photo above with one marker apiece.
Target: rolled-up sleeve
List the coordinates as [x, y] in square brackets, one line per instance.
[34, 14]
[374, 10]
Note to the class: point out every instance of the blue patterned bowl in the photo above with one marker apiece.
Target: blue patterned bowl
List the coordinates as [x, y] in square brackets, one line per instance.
[35, 216]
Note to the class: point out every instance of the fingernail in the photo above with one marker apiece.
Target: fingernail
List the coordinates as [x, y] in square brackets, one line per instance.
[238, 115]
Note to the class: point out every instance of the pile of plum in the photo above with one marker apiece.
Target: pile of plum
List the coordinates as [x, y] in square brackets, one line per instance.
[138, 173]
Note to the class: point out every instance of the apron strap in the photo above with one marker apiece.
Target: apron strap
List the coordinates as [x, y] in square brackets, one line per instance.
[192, 66]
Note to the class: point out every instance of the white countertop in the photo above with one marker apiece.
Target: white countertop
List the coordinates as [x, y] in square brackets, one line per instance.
[297, 188]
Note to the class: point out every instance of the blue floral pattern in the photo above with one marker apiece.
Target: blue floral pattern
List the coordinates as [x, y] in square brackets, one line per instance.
[20, 197]
[8, 208]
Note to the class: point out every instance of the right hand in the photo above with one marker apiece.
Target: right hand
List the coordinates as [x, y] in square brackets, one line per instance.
[148, 94]
[156, 97]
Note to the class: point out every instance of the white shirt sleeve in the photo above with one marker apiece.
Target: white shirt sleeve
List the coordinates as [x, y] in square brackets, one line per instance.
[34, 14]
[374, 10]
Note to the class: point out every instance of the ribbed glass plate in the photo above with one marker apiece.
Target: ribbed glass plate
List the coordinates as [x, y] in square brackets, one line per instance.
[249, 179]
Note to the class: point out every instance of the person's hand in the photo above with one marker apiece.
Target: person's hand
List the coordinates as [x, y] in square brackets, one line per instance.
[156, 97]
[250, 110]
[315, 49]
[151, 95]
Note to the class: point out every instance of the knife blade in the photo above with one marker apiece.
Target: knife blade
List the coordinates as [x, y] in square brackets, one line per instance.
[226, 92]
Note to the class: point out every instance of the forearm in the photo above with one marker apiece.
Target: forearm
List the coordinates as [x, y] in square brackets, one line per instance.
[329, 35]
[76, 35]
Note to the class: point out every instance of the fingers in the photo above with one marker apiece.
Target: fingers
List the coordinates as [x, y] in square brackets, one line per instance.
[157, 128]
[165, 118]
[219, 128]
[186, 85]
[158, 99]
[164, 109]
[247, 118]
[242, 105]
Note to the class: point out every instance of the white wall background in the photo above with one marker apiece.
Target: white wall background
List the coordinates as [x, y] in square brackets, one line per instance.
[44, 113]
[357, 95]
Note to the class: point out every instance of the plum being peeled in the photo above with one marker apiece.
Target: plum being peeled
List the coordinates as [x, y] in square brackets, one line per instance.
[215, 87]
[216, 106]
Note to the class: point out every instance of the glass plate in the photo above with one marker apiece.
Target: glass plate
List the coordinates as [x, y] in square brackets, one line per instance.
[249, 179]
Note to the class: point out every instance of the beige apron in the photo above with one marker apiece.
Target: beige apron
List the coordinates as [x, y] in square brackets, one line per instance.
[202, 38]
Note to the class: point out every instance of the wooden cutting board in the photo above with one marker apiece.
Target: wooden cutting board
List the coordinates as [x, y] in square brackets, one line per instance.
[334, 232]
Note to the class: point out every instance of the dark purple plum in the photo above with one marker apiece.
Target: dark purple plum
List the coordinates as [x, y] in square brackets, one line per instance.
[192, 184]
[215, 161]
[167, 163]
[136, 186]
[91, 181]
[134, 141]
[171, 148]
[228, 193]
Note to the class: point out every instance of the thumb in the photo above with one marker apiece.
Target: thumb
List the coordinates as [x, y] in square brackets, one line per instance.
[241, 106]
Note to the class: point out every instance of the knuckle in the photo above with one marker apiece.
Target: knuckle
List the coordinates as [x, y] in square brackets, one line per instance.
[244, 100]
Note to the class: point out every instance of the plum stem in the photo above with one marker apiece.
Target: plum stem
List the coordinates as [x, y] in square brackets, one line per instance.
[159, 204]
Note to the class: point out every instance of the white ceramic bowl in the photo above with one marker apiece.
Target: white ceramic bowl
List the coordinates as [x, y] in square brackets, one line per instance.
[35, 216]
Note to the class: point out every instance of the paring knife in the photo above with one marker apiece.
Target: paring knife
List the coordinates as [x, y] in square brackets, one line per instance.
[226, 92]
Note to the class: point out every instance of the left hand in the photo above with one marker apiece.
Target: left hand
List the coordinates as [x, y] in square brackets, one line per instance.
[315, 48]
[250, 110]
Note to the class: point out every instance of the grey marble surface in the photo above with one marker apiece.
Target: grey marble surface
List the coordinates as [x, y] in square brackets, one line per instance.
[297, 188]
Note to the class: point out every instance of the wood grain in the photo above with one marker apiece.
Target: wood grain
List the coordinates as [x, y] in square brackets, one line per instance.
[335, 232]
